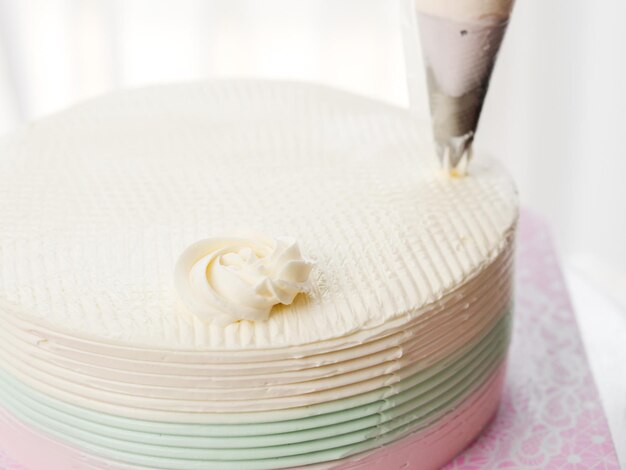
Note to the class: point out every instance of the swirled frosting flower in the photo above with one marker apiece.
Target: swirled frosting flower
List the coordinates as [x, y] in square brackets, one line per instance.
[224, 280]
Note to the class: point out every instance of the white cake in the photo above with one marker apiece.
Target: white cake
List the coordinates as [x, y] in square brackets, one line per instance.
[403, 326]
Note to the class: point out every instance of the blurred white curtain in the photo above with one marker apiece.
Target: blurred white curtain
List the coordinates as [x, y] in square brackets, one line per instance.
[61, 51]
[554, 114]
[8, 91]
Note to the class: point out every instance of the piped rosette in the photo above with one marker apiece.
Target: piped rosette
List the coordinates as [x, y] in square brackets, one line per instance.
[224, 280]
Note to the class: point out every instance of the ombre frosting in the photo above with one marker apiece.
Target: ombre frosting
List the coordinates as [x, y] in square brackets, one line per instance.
[136, 333]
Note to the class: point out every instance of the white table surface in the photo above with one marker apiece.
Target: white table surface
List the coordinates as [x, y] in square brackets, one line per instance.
[599, 299]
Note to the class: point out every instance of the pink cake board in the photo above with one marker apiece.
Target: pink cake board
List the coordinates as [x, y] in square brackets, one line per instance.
[550, 416]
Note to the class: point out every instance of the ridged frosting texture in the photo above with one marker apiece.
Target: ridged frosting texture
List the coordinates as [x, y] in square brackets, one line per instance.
[98, 206]
[224, 280]
[428, 449]
[406, 320]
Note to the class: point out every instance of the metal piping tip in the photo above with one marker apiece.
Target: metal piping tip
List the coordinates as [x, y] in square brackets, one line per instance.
[459, 56]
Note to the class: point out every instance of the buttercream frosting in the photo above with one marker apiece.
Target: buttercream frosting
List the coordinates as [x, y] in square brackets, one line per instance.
[429, 448]
[98, 239]
[225, 280]
[406, 316]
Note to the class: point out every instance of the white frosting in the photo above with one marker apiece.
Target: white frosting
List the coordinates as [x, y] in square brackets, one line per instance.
[98, 205]
[463, 10]
[225, 280]
[88, 245]
[175, 387]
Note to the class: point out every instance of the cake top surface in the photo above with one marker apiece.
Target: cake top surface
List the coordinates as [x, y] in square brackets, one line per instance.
[98, 202]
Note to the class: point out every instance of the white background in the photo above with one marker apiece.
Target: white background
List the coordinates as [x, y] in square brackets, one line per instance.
[556, 112]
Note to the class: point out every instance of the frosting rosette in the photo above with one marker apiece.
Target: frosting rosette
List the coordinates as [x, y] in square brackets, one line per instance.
[224, 280]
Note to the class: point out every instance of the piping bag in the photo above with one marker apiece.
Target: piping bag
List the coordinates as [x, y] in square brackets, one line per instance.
[460, 43]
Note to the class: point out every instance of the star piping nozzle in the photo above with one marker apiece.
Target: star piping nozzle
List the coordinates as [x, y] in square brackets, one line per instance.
[460, 43]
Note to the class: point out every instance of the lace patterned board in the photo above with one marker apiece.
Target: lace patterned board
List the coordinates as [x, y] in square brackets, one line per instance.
[551, 416]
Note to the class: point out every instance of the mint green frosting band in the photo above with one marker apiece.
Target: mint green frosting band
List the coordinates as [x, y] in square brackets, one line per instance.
[366, 421]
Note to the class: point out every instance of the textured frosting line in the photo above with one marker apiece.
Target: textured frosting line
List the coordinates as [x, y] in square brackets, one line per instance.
[400, 325]
[436, 338]
[420, 388]
[392, 332]
[341, 167]
[385, 431]
[431, 447]
[361, 343]
[465, 9]
[481, 301]
[255, 397]
[390, 422]
[224, 280]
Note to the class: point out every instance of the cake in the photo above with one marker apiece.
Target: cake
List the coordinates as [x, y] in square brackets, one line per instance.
[389, 352]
